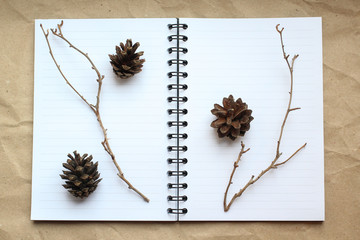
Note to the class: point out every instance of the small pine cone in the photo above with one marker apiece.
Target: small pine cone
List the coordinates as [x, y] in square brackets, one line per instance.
[233, 119]
[82, 177]
[126, 63]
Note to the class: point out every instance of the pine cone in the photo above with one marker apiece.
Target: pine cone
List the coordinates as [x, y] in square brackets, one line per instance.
[126, 62]
[82, 176]
[233, 119]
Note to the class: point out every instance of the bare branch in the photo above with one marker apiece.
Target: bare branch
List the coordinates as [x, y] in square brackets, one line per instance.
[236, 164]
[277, 29]
[58, 67]
[273, 164]
[278, 164]
[95, 108]
[293, 109]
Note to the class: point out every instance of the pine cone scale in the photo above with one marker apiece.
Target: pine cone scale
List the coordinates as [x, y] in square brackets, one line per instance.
[225, 128]
[227, 101]
[236, 124]
[218, 122]
[68, 166]
[244, 119]
[71, 157]
[125, 67]
[229, 119]
[245, 128]
[84, 177]
[118, 51]
[135, 47]
[235, 132]
[241, 109]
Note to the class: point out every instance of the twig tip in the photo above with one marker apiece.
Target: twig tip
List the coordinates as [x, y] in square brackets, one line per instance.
[277, 28]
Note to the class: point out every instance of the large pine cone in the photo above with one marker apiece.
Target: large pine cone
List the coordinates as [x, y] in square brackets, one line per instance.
[126, 62]
[82, 176]
[233, 119]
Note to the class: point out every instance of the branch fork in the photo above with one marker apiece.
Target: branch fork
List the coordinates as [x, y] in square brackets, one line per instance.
[274, 164]
[95, 108]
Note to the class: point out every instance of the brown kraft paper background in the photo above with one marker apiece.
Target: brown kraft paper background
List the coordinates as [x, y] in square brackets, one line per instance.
[341, 56]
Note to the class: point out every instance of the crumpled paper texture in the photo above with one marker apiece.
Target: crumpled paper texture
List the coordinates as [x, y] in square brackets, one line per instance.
[341, 45]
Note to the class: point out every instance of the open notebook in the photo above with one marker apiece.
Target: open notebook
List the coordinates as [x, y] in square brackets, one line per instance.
[241, 57]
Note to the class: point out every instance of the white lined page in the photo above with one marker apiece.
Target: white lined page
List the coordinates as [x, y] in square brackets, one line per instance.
[132, 110]
[243, 57]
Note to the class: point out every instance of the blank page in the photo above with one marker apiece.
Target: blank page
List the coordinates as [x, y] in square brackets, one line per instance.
[132, 110]
[243, 57]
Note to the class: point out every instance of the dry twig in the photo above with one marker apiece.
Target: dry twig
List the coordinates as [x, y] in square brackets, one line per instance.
[274, 163]
[95, 108]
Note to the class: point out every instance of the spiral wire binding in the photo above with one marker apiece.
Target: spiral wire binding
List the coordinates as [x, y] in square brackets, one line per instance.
[178, 25]
[177, 74]
[177, 86]
[175, 135]
[174, 99]
[175, 185]
[177, 49]
[177, 198]
[175, 61]
[177, 124]
[177, 111]
[177, 160]
[177, 148]
[180, 37]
